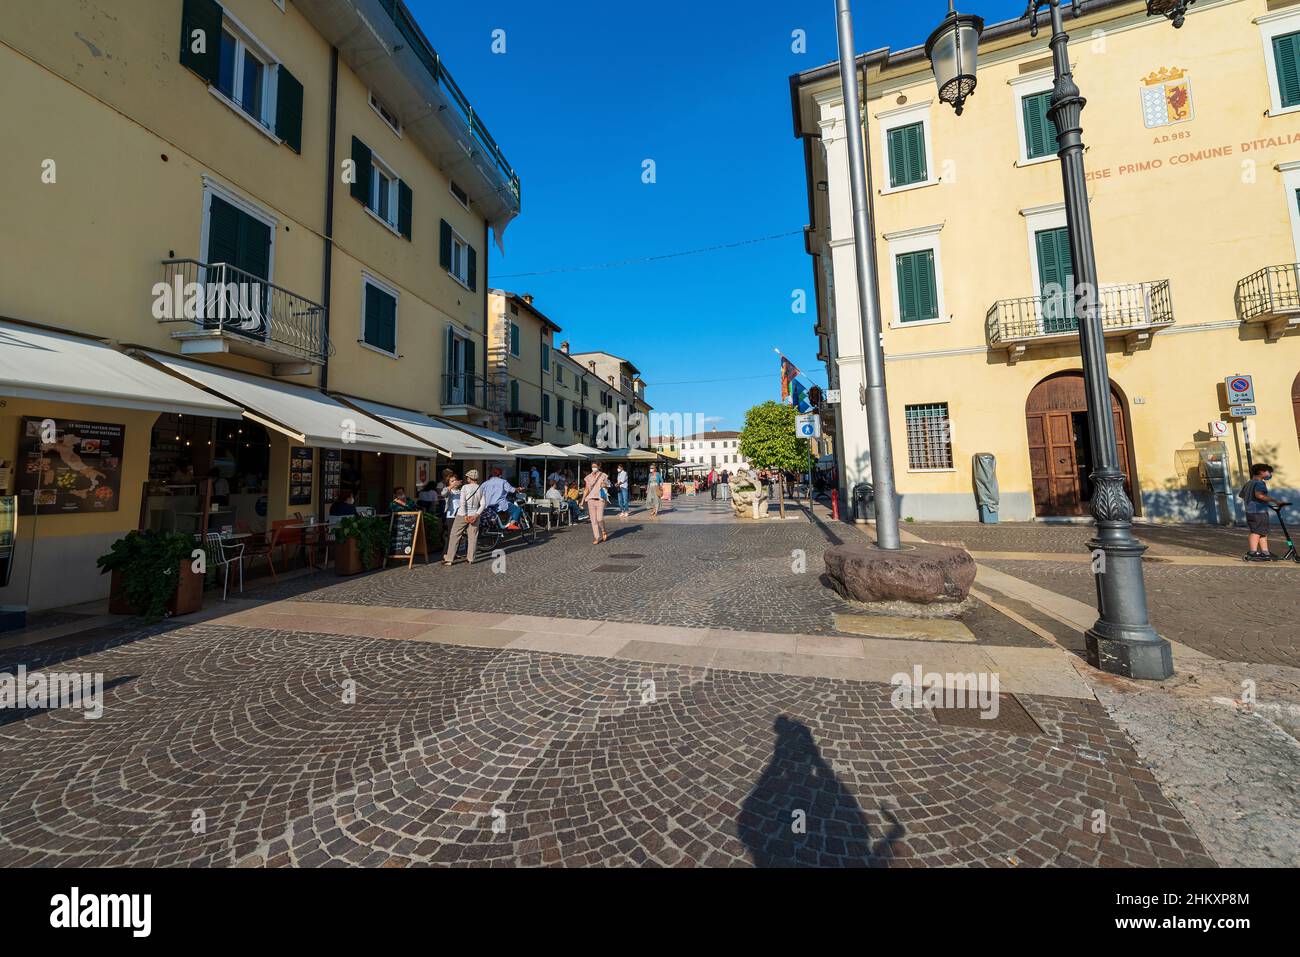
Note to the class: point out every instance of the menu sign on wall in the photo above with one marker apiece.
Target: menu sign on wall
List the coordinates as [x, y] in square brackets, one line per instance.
[331, 473]
[67, 466]
[301, 460]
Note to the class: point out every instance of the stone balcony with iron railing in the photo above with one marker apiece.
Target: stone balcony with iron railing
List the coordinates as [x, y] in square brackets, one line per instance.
[464, 393]
[1130, 311]
[1270, 298]
[219, 308]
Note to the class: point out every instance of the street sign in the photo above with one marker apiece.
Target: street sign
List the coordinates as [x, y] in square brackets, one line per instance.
[1241, 411]
[832, 397]
[808, 426]
[1241, 389]
[1218, 428]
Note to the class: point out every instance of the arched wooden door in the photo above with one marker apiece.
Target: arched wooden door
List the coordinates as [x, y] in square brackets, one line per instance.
[1295, 404]
[1056, 420]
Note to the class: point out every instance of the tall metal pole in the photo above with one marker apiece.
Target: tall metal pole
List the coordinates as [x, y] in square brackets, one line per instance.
[864, 237]
[1122, 641]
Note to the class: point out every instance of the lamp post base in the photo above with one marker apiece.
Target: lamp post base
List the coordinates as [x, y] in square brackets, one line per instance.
[1132, 658]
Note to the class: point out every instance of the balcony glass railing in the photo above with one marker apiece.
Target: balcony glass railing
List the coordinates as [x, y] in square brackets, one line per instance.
[218, 297]
[427, 55]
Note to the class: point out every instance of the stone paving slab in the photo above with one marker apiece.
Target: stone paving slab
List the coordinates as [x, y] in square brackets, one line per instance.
[565, 753]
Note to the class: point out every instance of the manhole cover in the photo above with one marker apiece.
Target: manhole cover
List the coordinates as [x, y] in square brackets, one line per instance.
[616, 568]
[625, 555]
[1012, 718]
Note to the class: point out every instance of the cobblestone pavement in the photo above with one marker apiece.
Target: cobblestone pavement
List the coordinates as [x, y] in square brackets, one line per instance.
[1247, 613]
[1045, 537]
[222, 745]
[747, 577]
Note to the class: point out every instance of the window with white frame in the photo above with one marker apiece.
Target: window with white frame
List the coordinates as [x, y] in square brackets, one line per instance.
[1280, 31]
[929, 437]
[458, 194]
[459, 267]
[385, 114]
[1031, 95]
[906, 142]
[245, 76]
[917, 275]
[383, 191]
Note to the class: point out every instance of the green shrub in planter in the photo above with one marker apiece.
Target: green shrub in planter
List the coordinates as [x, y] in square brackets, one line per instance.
[371, 534]
[148, 564]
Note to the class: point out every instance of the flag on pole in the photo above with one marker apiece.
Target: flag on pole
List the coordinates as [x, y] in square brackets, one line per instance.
[788, 374]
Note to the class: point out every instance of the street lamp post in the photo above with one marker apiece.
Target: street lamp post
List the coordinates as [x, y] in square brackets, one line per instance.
[864, 235]
[1122, 640]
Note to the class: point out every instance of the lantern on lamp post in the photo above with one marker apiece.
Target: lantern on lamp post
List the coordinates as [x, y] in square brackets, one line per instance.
[1122, 640]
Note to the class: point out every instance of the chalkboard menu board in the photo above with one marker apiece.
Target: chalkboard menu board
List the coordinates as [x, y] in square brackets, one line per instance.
[301, 460]
[331, 467]
[69, 466]
[406, 536]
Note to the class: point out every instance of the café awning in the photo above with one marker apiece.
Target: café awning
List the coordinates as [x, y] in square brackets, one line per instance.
[450, 442]
[302, 413]
[636, 455]
[586, 451]
[503, 442]
[58, 367]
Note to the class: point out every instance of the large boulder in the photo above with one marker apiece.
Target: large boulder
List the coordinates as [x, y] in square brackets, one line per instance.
[922, 573]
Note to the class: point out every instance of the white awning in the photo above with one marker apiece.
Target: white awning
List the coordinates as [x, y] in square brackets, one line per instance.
[586, 451]
[304, 414]
[57, 367]
[450, 442]
[496, 438]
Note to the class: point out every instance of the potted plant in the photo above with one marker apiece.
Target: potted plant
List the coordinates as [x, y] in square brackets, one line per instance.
[361, 542]
[153, 575]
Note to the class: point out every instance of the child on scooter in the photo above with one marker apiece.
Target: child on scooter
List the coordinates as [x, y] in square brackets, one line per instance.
[1255, 494]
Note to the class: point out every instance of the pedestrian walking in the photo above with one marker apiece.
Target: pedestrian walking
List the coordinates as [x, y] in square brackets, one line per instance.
[464, 519]
[654, 493]
[595, 492]
[622, 481]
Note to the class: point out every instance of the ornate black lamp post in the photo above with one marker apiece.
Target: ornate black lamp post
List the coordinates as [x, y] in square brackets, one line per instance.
[1122, 640]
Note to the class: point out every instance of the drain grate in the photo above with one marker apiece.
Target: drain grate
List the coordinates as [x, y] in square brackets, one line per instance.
[616, 568]
[1012, 718]
[625, 555]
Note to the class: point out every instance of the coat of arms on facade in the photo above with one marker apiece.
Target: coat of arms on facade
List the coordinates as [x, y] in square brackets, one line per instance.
[1166, 97]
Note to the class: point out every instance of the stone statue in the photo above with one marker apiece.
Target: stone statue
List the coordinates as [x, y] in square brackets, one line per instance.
[746, 489]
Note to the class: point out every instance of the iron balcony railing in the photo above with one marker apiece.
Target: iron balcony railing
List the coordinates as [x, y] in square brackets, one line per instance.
[465, 388]
[218, 297]
[427, 55]
[1122, 308]
[1271, 291]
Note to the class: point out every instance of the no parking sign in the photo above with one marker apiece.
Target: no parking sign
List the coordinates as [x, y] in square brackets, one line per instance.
[1241, 390]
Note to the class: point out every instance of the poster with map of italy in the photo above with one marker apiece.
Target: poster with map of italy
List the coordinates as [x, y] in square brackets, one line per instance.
[65, 466]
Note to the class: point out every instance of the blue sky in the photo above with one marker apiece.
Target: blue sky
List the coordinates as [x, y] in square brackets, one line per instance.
[587, 91]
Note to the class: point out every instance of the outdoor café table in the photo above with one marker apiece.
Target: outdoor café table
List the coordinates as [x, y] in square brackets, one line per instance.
[538, 508]
[305, 526]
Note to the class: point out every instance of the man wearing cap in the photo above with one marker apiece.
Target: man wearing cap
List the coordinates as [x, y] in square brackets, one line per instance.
[464, 519]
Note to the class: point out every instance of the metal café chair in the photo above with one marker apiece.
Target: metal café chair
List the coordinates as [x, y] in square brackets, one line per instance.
[222, 554]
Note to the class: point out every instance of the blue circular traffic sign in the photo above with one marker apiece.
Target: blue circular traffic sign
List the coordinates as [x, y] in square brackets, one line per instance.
[1239, 384]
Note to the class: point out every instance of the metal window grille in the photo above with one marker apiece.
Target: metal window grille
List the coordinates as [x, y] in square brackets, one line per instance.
[929, 438]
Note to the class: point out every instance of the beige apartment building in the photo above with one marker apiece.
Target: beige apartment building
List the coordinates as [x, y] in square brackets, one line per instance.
[250, 236]
[618, 392]
[1193, 174]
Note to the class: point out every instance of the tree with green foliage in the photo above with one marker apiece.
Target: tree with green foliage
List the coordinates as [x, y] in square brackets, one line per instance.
[769, 441]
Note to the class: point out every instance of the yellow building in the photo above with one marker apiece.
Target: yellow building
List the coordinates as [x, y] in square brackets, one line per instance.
[277, 215]
[619, 394]
[1193, 166]
[520, 367]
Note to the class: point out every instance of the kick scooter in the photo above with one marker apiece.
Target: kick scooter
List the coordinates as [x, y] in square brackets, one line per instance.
[1291, 555]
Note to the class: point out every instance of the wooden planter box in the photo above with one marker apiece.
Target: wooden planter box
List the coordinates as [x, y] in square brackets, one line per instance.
[347, 558]
[188, 597]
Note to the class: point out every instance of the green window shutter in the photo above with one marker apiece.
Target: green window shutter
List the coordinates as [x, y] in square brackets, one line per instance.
[469, 357]
[223, 233]
[1286, 54]
[405, 202]
[907, 155]
[917, 292]
[363, 171]
[254, 246]
[288, 109]
[1056, 279]
[471, 269]
[514, 338]
[1040, 131]
[514, 395]
[546, 407]
[201, 26]
[444, 244]
[546, 358]
[381, 319]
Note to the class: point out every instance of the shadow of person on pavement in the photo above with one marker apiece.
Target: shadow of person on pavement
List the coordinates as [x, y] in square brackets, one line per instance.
[799, 814]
